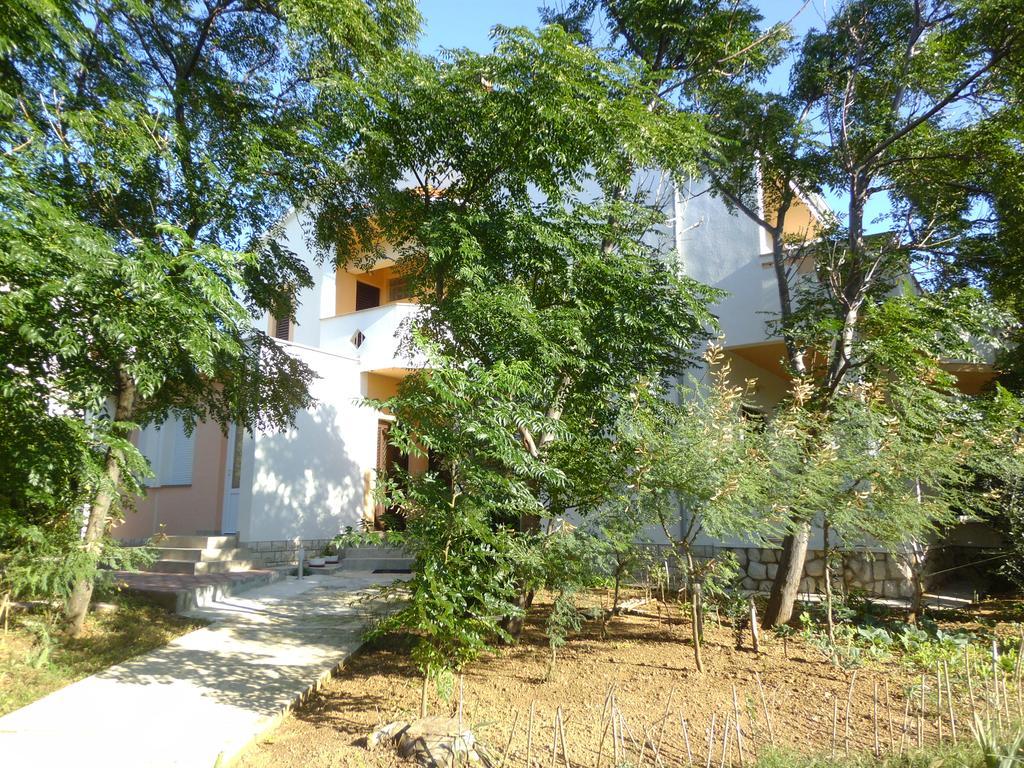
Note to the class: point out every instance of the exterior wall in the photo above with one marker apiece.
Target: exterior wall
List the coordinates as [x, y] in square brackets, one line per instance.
[310, 481]
[184, 509]
[345, 286]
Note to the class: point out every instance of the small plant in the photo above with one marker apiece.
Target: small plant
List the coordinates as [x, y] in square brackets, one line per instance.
[998, 751]
[564, 619]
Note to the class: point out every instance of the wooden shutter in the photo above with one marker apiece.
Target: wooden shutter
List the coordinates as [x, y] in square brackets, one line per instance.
[367, 296]
[283, 328]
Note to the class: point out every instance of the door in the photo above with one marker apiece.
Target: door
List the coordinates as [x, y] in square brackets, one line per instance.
[232, 481]
[389, 459]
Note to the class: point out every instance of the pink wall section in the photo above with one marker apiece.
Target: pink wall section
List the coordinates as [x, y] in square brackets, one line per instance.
[184, 509]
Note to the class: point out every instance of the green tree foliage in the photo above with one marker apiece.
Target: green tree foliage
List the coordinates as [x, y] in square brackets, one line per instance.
[145, 146]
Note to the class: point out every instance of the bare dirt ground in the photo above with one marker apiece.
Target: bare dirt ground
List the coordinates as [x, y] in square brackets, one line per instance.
[650, 663]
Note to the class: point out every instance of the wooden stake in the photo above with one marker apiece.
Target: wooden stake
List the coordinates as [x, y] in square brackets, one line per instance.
[711, 740]
[949, 702]
[561, 733]
[874, 717]
[888, 711]
[1006, 702]
[849, 696]
[605, 722]
[764, 704]
[920, 718]
[725, 738]
[508, 745]
[686, 738]
[835, 724]
[460, 703]
[754, 639]
[938, 698]
[739, 729]
[664, 718]
[970, 678]
[554, 738]
[906, 725]
[529, 736]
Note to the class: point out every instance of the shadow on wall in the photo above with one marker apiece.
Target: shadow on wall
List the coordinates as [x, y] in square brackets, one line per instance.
[306, 482]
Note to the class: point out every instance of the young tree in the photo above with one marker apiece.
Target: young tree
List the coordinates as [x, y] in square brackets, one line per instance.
[146, 147]
[698, 467]
[489, 176]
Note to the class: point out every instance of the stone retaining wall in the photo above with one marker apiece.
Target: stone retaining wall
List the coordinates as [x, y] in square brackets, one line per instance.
[283, 552]
[877, 573]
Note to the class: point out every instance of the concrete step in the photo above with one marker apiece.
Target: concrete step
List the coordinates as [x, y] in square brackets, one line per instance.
[201, 555]
[200, 567]
[197, 542]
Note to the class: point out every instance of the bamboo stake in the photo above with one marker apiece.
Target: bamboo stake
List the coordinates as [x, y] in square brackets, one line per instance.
[835, 724]
[874, 717]
[1006, 702]
[604, 733]
[508, 744]
[725, 738]
[949, 702]
[764, 704]
[755, 640]
[849, 696]
[529, 735]
[664, 718]
[888, 710]
[995, 683]
[938, 698]
[739, 730]
[970, 678]
[906, 725]
[460, 703]
[686, 739]
[561, 733]
[920, 718]
[615, 736]
[711, 740]
[554, 738]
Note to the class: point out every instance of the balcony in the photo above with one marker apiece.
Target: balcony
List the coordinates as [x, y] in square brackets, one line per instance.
[373, 336]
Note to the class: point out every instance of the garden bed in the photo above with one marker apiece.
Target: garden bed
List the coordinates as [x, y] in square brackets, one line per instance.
[37, 659]
[649, 662]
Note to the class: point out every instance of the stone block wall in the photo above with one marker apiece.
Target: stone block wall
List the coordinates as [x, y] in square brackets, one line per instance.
[283, 552]
[876, 573]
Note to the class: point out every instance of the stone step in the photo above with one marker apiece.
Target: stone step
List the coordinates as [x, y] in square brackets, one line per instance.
[355, 553]
[199, 567]
[377, 564]
[197, 542]
[201, 555]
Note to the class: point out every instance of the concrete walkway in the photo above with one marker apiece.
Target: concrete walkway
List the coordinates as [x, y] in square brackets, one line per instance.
[203, 697]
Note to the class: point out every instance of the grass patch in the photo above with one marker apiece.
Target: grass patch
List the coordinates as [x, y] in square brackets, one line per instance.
[36, 658]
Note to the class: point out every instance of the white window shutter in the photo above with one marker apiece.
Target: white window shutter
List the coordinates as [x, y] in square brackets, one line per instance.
[149, 444]
[179, 468]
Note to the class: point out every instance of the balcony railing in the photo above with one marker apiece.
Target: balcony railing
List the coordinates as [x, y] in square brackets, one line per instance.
[377, 336]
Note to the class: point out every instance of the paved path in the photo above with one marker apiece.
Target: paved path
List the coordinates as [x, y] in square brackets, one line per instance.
[206, 695]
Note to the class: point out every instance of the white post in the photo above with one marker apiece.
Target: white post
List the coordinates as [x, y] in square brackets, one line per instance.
[302, 561]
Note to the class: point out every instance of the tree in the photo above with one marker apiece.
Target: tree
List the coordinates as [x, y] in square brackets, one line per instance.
[698, 465]
[542, 301]
[147, 146]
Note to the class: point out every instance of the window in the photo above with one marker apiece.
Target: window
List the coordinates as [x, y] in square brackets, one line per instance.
[367, 296]
[169, 451]
[398, 289]
[236, 460]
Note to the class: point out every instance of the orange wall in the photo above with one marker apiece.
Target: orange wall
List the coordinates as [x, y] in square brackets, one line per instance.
[345, 287]
[184, 509]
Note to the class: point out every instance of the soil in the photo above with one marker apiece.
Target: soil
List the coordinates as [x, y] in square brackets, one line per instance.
[649, 661]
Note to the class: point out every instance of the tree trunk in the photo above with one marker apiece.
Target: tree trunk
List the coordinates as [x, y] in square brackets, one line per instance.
[829, 619]
[695, 598]
[787, 581]
[99, 512]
